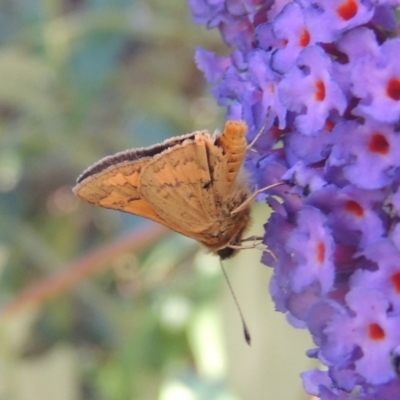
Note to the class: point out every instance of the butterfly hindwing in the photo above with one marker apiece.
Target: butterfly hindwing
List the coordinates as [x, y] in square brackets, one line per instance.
[179, 187]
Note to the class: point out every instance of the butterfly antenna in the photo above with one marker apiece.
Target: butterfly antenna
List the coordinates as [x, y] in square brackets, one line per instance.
[246, 332]
[259, 133]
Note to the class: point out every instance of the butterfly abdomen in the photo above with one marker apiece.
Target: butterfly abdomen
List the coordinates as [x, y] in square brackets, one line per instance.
[233, 143]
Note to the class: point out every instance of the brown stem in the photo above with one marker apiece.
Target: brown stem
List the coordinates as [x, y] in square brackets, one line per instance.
[84, 267]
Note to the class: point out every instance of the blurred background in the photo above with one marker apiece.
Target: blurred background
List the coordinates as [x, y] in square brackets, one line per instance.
[98, 305]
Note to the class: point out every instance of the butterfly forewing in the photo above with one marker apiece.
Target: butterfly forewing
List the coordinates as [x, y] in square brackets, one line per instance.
[117, 188]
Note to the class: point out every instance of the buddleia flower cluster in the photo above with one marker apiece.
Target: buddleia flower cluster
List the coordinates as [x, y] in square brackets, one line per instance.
[323, 78]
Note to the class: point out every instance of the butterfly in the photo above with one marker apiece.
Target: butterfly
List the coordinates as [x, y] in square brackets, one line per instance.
[194, 184]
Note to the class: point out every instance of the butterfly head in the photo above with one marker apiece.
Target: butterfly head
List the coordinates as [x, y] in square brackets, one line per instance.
[226, 252]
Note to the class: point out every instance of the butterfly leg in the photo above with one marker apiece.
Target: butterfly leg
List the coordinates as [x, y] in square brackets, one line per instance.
[252, 238]
[258, 246]
[253, 196]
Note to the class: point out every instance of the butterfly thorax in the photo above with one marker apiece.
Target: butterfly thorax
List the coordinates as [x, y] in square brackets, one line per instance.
[229, 227]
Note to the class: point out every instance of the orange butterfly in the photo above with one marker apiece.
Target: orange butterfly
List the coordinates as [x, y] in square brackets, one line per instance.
[194, 184]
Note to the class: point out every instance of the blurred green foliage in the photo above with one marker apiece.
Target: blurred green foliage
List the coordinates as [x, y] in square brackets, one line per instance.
[81, 79]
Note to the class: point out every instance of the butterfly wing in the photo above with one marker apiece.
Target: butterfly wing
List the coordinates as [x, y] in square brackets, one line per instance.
[179, 187]
[113, 182]
[116, 187]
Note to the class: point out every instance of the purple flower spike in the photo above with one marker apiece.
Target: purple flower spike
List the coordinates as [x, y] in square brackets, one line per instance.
[377, 83]
[311, 247]
[310, 91]
[323, 79]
